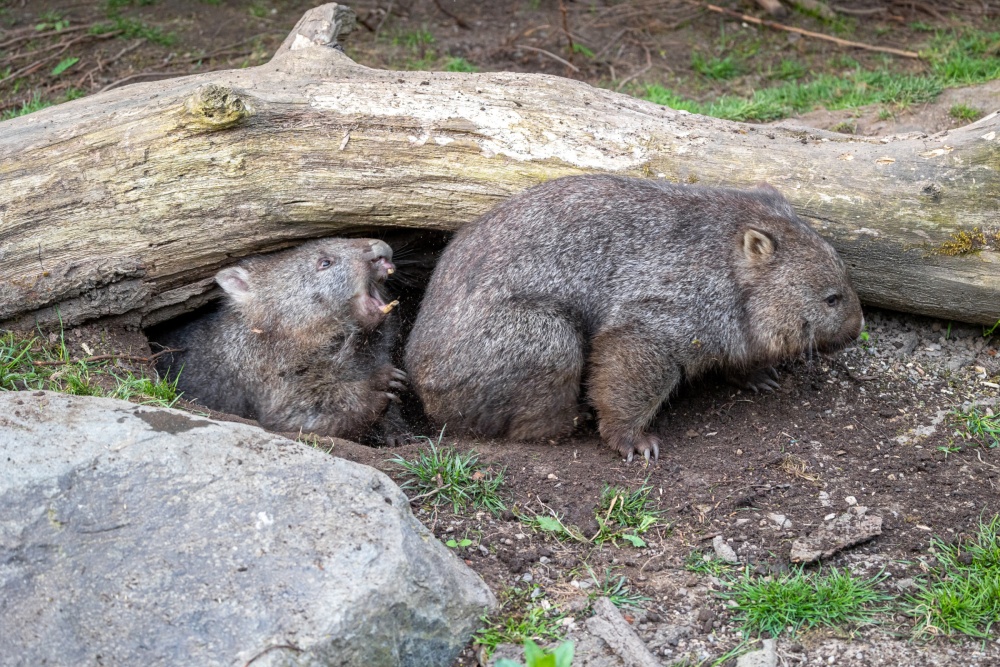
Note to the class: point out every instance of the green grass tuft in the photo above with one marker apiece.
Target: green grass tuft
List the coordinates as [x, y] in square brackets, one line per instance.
[965, 112]
[703, 563]
[459, 65]
[799, 600]
[615, 589]
[444, 475]
[978, 427]
[522, 615]
[714, 68]
[561, 656]
[625, 514]
[620, 514]
[962, 593]
[29, 364]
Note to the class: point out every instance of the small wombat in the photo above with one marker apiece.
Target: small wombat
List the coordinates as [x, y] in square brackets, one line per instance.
[302, 342]
[621, 287]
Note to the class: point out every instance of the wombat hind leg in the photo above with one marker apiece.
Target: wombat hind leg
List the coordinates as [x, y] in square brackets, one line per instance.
[761, 380]
[516, 375]
[543, 371]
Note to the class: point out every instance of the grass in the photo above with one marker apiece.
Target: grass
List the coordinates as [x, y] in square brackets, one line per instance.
[36, 103]
[702, 563]
[962, 592]
[459, 65]
[714, 68]
[131, 28]
[444, 475]
[523, 615]
[29, 364]
[134, 29]
[799, 600]
[965, 113]
[561, 656]
[978, 427]
[615, 589]
[621, 515]
[954, 58]
[625, 514]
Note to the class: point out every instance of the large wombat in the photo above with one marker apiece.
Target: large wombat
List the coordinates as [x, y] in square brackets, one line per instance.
[302, 342]
[622, 287]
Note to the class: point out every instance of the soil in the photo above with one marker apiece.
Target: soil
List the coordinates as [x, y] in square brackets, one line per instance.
[872, 426]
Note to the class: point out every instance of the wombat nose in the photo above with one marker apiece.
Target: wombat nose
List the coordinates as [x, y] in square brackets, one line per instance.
[383, 267]
[381, 249]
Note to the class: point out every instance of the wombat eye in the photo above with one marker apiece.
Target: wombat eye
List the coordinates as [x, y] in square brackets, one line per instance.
[323, 263]
[833, 300]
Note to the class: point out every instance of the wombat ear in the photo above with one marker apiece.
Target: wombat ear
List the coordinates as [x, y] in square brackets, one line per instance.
[757, 245]
[236, 281]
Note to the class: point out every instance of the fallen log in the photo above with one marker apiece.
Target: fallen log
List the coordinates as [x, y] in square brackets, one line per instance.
[128, 201]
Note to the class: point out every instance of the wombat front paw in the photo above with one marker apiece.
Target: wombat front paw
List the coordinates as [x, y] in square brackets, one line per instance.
[644, 444]
[391, 378]
[763, 380]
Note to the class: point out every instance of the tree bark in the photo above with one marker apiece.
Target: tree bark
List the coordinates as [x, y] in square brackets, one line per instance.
[127, 202]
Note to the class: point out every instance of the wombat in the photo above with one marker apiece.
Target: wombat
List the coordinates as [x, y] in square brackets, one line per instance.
[302, 342]
[619, 288]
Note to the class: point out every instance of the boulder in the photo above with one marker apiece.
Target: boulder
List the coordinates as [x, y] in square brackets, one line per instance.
[132, 535]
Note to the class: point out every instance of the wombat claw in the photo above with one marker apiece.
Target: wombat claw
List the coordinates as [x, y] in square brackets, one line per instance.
[763, 380]
[646, 444]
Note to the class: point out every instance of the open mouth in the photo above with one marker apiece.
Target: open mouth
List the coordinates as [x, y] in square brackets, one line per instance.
[376, 302]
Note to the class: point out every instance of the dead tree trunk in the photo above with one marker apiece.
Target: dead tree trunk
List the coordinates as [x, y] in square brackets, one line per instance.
[127, 202]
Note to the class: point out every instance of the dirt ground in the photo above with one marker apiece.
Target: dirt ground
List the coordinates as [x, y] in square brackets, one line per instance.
[872, 426]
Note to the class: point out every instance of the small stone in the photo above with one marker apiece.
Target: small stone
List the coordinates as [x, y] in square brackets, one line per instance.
[723, 551]
[767, 656]
[851, 500]
[780, 519]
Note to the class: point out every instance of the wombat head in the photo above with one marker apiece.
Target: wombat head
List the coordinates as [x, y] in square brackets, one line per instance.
[325, 284]
[798, 295]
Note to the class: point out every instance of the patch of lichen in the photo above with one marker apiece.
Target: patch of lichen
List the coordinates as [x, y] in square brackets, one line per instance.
[216, 107]
[969, 241]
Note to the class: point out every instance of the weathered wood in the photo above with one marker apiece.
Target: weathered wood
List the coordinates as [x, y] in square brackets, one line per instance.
[128, 201]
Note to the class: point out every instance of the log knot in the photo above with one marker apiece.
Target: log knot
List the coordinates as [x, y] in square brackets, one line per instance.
[216, 107]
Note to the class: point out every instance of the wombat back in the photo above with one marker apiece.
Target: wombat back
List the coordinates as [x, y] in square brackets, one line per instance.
[632, 284]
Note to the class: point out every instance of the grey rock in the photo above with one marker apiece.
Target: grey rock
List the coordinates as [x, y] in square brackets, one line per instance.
[723, 551]
[608, 624]
[133, 535]
[844, 531]
[908, 343]
[765, 657]
[960, 361]
[670, 635]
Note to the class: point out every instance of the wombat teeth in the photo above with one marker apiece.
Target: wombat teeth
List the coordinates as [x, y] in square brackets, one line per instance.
[390, 271]
[387, 308]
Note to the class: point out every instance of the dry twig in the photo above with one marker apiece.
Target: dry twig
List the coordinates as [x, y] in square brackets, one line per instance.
[461, 23]
[550, 55]
[807, 33]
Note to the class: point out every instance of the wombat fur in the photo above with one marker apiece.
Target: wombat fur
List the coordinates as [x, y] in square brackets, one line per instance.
[301, 343]
[615, 289]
